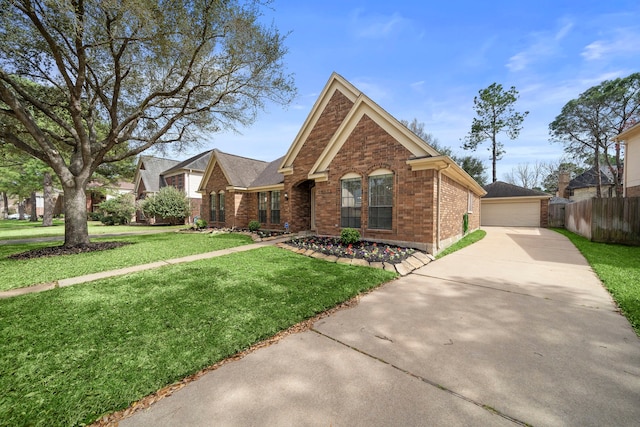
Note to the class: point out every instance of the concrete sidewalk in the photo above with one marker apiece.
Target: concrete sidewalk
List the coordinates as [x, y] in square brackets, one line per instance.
[513, 330]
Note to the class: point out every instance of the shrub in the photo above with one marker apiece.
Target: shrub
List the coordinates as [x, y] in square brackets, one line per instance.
[96, 216]
[254, 225]
[349, 236]
[118, 210]
[465, 223]
[169, 203]
[201, 223]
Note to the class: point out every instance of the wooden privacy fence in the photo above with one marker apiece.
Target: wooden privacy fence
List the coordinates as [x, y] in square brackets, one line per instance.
[556, 215]
[613, 220]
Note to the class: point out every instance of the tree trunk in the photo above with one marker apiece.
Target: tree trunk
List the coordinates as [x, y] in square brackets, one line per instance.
[76, 232]
[493, 158]
[619, 172]
[596, 163]
[5, 200]
[47, 217]
[34, 208]
[21, 209]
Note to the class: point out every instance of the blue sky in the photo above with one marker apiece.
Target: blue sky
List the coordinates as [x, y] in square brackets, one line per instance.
[428, 59]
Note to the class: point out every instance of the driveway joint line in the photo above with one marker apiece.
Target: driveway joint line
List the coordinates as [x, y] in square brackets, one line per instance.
[592, 307]
[487, 408]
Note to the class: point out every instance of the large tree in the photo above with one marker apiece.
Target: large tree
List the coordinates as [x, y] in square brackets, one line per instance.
[150, 72]
[495, 114]
[588, 124]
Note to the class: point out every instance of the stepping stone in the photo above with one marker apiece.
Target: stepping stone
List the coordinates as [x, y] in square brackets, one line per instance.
[406, 265]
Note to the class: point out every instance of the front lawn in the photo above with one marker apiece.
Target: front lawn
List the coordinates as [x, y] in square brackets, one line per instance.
[145, 249]
[71, 355]
[15, 229]
[467, 240]
[618, 267]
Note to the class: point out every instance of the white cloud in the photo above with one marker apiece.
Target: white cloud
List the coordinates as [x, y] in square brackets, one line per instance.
[377, 26]
[621, 42]
[545, 44]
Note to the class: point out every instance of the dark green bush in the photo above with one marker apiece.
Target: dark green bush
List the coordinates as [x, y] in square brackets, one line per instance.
[254, 225]
[96, 216]
[117, 210]
[465, 223]
[201, 223]
[169, 203]
[349, 236]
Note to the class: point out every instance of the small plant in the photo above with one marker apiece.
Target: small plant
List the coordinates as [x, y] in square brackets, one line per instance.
[349, 236]
[465, 223]
[254, 225]
[201, 223]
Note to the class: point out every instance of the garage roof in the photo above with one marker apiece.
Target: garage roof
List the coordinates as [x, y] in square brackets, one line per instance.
[504, 189]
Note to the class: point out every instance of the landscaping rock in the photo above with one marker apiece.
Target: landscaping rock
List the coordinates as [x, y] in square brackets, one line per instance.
[344, 261]
[390, 267]
[425, 258]
[401, 269]
[415, 262]
[360, 262]
[379, 265]
[406, 265]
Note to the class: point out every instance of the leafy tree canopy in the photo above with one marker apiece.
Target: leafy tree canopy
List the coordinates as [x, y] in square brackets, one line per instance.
[496, 114]
[110, 79]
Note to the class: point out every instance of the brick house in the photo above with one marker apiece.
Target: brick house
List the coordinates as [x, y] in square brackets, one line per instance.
[351, 165]
[153, 173]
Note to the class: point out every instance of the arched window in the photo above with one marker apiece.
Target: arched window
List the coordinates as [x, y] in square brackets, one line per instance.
[221, 206]
[380, 199]
[350, 200]
[212, 207]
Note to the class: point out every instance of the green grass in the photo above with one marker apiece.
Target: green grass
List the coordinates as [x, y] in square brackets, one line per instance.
[71, 355]
[16, 229]
[145, 249]
[467, 240]
[618, 267]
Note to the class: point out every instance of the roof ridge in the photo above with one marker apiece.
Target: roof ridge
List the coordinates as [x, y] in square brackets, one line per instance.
[240, 157]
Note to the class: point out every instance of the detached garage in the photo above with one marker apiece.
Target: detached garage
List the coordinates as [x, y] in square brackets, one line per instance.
[509, 205]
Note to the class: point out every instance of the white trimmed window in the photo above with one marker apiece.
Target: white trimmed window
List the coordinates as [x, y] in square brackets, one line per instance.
[262, 207]
[351, 200]
[212, 207]
[380, 199]
[275, 207]
[470, 200]
[221, 206]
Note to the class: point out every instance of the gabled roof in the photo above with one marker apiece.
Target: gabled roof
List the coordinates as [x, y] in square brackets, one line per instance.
[270, 175]
[196, 163]
[239, 171]
[150, 171]
[589, 178]
[362, 105]
[504, 189]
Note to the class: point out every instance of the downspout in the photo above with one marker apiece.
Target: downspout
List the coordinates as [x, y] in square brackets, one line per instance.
[439, 198]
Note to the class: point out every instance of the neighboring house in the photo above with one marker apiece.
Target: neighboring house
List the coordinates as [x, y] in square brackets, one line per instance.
[585, 185]
[631, 173]
[98, 192]
[351, 165]
[153, 173]
[510, 205]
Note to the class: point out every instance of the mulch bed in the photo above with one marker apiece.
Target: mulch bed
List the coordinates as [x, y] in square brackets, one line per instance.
[370, 251]
[61, 250]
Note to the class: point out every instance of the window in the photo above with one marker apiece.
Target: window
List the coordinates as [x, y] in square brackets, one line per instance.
[275, 207]
[262, 206]
[351, 202]
[179, 182]
[212, 207]
[221, 207]
[380, 200]
[470, 202]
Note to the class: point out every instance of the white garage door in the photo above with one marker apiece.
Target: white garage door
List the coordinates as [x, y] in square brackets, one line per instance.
[523, 214]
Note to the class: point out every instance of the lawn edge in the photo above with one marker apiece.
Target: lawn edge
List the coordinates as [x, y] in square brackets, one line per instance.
[112, 419]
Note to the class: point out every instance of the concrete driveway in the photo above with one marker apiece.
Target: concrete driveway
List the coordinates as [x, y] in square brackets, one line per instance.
[513, 330]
